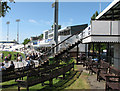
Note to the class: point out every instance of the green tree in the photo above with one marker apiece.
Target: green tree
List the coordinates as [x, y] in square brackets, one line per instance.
[96, 13]
[26, 41]
[94, 16]
[4, 8]
[40, 37]
[59, 26]
[14, 41]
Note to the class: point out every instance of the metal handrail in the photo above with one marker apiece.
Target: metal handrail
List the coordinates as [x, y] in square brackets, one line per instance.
[62, 41]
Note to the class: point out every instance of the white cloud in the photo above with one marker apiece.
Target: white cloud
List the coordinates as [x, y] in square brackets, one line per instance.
[32, 21]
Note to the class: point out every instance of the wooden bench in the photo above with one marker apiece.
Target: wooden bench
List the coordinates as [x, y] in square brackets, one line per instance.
[87, 63]
[36, 77]
[9, 74]
[97, 67]
[112, 84]
[104, 72]
[14, 74]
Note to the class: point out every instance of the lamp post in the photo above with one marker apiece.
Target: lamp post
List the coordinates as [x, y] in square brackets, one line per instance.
[100, 6]
[56, 22]
[8, 30]
[18, 20]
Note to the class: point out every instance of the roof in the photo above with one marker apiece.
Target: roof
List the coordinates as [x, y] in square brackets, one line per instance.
[112, 12]
[70, 27]
[7, 42]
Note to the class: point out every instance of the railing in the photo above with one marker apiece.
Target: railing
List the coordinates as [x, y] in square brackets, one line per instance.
[61, 46]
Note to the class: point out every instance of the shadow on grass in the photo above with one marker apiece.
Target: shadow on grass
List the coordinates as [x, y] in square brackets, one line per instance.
[7, 86]
[62, 84]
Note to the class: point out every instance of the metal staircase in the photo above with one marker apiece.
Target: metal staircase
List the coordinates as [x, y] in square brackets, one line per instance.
[69, 43]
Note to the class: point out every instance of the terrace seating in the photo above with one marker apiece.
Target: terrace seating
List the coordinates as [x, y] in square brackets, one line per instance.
[102, 70]
[14, 74]
[88, 64]
[113, 84]
[112, 72]
[97, 67]
[36, 77]
[9, 74]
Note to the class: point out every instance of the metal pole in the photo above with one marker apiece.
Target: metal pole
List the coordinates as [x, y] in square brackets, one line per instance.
[93, 50]
[86, 50]
[18, 32]
[18, 20]
[8, 30]
[100, 6]
[56, 24]
[99, 53]
[89, 46]
[77, 54]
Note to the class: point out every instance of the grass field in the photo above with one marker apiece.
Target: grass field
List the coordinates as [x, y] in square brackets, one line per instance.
[12, 53]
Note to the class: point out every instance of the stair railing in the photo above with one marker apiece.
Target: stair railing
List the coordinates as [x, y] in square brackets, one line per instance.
[70, 40]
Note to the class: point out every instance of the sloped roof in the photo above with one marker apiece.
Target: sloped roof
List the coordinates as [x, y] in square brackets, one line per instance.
[112, 12]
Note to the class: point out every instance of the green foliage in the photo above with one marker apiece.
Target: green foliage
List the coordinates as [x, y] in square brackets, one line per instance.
[94, 16]
[96, 47]
[4, 8]
[40, 37]
[59, 26]
[96, 13]
[26, 41]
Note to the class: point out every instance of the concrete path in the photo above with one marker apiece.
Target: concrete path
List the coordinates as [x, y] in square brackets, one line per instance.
[92, 79]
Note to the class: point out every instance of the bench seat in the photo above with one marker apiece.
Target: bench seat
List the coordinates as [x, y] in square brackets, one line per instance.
[114, 85]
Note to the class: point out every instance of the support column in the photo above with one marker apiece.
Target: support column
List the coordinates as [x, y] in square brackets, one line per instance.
[77, 53]
[108, 52]
[117, 56]
[99, 52]
[88, 50]
[93, 51]
[51, 82]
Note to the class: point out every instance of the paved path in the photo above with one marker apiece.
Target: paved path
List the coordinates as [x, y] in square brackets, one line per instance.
[92, 79]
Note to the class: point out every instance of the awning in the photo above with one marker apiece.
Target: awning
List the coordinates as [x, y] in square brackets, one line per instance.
[103, 39]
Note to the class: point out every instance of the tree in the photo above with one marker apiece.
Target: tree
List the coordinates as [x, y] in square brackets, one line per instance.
[94, 16]
[4, 7]
[59, 26]
[14, 41]
[26, 41]
[40, 37]
[96, 13]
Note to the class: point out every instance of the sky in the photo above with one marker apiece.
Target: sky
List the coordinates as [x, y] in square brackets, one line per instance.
[35, 17]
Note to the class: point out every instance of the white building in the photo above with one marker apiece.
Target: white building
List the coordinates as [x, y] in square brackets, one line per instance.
[106, 29]
[10, 46]
[64, 33]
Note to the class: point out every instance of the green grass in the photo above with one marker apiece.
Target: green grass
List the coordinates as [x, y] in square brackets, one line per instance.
[12, 53]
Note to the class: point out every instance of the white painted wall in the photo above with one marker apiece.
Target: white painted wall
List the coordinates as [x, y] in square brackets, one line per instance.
[100, 28]
[105, 28]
